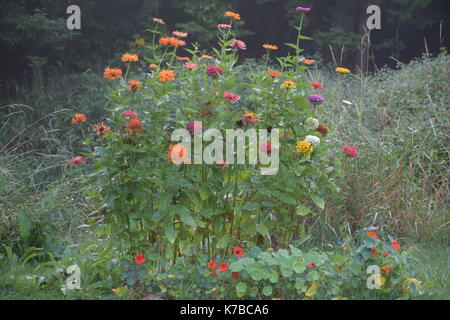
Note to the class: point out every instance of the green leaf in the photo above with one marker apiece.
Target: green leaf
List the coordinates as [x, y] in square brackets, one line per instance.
[262, 229]
[267, 291]
[299, 266]
[302, 210]
[318, 201]
[241, 288]
[170, 233]
[299, 284]
[312, 276]
[203, 191]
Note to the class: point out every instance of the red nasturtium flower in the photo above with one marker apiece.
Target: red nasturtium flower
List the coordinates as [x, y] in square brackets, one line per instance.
[223, 267]
[339, 267]
[77, 160]
[78, 118]
[238, 252]
[374, 252]
[386, 269]
[214, 273]
[316, 85]
[140, 259]
[372, 234]
[212, 264]
[213, 71]
[235, 275]
[395, 245]
[385, 254]
[311, 265]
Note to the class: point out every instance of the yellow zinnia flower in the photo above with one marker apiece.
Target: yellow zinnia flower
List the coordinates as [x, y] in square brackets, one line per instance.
[343, 70]
[304, 147]
[289, 84]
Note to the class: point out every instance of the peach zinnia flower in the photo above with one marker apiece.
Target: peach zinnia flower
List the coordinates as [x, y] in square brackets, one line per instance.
[308, 61]
[135, 126]
[102, 128]
[78, 118]
[180, 34]
[171, 41]
[158, 20]
[134, 85]
[112, 73]
[233, 15]
[129, 57]
[270, 47]
[273, 74]
[250, 117]
[153, 66]
[177, 154]
[166, 75]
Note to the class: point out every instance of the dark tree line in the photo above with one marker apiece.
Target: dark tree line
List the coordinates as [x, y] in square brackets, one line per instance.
[34, 32]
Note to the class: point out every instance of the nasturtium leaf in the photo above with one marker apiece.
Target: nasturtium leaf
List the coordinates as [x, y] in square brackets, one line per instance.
[267, 291]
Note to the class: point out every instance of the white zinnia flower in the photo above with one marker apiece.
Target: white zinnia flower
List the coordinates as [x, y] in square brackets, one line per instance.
[315, 141]
[312, 123]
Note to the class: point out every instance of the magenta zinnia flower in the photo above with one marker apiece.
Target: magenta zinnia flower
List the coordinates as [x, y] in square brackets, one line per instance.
[231, 96]
[238, 44]
[77, 160]
[351, 151]
[190, 65]
[214, 71]
[265, 147]
[222, 164]
[301, 9]
[315, 99]
[224, 26]
[195, 127]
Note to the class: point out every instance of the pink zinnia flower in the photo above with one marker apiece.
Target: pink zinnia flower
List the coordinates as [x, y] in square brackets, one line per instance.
[239, 44]
[222, 164]
[77, 160]
[190, 65]
[214, 71]
[351, 151]
[231, 96]
[224, 26]
[316, 85]
[130, 114]
[195, 127]
[180, 34]
[265, 147]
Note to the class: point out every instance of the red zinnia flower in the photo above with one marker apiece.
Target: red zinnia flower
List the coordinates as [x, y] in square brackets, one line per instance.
[311, 265]
[235, 275]
[231, 96]
[386, 269]
[140, 258]
[238, 252]
[214, 273]
[214, 71]
[77, 160]
[322, 129]
[395, 245]
[351, 151]
[374, 252]
[316, 85]
[266, 147]
[130, 114]
[273, 74]
[223, 267]
[339, 267]
[195, 127]
[212, 264]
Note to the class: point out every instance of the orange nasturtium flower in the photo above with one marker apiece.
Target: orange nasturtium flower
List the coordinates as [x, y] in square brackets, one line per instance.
[129, 57]
[112, 73]
[102, 128]
[158, 20]
[135, 126]
[171, 41]
[134, 85]
[270, 47]
[372, 234]
[395, 245]
[177, 154]
[78, 118]
[235, 16]
[166, 75]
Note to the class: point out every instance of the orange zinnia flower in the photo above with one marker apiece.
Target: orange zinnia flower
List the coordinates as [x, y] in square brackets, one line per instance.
[158, 20]
[184, 58]
[134, 85]
[135, 126]
[78, 118]
[102, 128]
[180, 34]
[171, 41]
[166, 75]
[153, 66]
[395, 245]
[206, 57]
[308, 61]
[274, 74]
[270, 47]
[250, 117]
[112, 74]
[372, 234]
[177, 154]
[129, 57]
[386, 269]
[233, 15]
